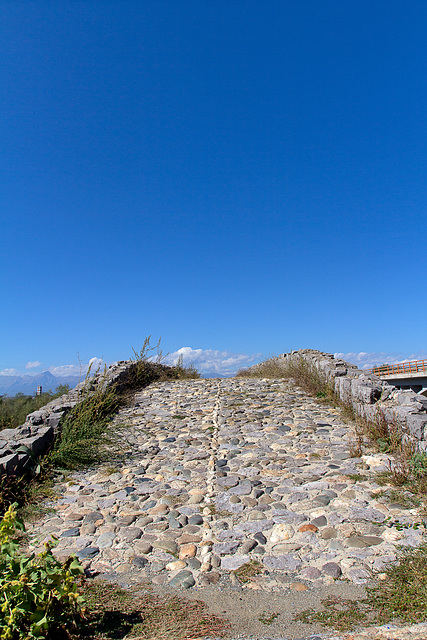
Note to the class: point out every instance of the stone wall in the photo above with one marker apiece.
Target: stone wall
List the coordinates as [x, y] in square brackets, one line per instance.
[40, 427]
[367, 394]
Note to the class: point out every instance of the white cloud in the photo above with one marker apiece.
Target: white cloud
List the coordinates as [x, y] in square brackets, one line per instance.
[212, 361]
[77, 369]
[9, 372]
[33, 365]
[366, 360]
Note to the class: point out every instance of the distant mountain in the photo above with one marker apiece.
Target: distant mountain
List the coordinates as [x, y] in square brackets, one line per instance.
[27, 384]
[215, 374]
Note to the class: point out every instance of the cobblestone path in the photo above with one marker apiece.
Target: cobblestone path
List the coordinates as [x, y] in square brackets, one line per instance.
[229, 476]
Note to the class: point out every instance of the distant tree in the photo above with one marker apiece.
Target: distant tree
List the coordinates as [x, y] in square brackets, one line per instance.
[61, 389]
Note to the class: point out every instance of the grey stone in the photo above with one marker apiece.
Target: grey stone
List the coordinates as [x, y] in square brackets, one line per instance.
[87, 553]
[193, 563]
[139, 561]
[328, 533]
[166, 545]
[232, 563]
[242, 489]
[360, 542]
[183, 579]
[321, 521]
[105, 540]
[9, 463]
[95, 516]
[195, 519]
[359, 575]
[70, 533]
[287, 562]
[223, 548]
[309, 573]
[260, 537]
[247, 546]
[129, 534]
[332, 569]
[256, 526]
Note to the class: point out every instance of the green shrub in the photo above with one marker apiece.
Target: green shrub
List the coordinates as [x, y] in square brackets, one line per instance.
[83, 433]
[13, 411]
[38, 594]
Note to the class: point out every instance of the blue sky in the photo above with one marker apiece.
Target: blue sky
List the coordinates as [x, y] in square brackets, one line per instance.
[240, 178]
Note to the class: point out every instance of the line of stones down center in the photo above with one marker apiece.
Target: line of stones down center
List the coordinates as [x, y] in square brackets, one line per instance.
[217, 474]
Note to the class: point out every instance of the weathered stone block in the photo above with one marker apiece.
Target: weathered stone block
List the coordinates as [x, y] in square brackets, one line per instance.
[54, 419]
[9, 464]
[417, 425]
[39, 443]
[37, 417]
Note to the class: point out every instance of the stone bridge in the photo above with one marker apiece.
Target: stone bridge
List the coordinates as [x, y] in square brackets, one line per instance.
[246, 493]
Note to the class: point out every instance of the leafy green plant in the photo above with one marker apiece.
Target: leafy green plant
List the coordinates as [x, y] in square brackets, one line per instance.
[38, 594]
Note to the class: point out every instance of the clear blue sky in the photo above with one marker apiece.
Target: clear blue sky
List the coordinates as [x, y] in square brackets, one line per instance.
[235, 176]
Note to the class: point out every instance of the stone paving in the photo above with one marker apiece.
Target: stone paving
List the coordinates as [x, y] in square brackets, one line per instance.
[224, 476]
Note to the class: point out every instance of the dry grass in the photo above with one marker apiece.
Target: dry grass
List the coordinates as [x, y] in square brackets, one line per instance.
[301, 372]
[401, 597]
[246, 572]
[117, 613]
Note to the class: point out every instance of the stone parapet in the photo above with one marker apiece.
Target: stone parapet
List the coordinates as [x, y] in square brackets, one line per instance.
[40, 427]
[368, 395]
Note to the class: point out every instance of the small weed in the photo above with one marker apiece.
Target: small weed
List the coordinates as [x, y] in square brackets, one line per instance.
[108, 470]
[268, 618]
[357, 477]
[178, 416]
[389, 522]
[340, 614]
[399, 496]
[247, 571]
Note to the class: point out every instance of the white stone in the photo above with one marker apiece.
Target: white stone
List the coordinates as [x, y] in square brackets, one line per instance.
[280, 532]
[391, 535]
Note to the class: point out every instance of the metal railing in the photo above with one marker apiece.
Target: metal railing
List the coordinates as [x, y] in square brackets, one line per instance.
[414, 366]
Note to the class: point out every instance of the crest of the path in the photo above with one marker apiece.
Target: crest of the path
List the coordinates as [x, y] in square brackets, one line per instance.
[243, 488]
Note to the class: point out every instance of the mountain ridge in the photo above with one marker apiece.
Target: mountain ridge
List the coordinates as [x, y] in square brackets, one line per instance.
[28, 383]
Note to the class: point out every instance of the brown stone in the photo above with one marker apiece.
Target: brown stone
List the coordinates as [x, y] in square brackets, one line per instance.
[187, 551]
[298, 586]
[186, 538]
[159, 509]
[308, 527]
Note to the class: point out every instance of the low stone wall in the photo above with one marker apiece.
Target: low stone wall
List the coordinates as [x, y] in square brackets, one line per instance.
[40, 427]
[367, 394]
